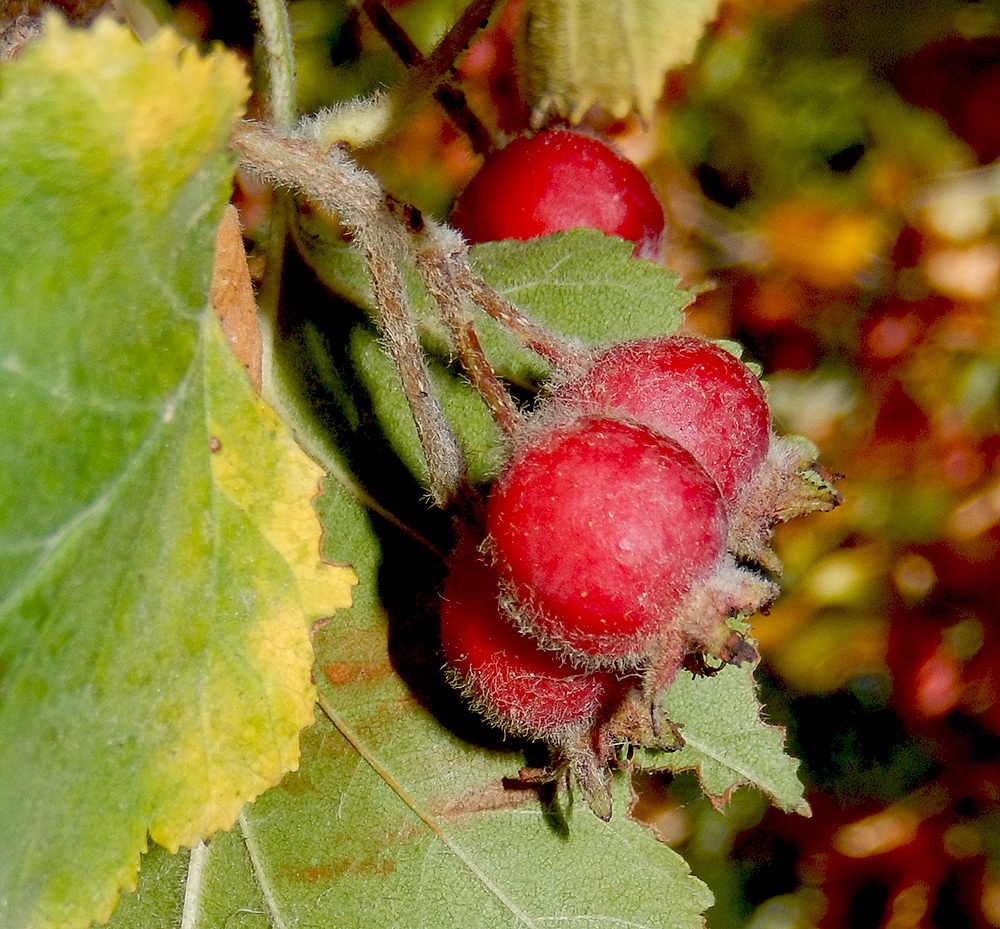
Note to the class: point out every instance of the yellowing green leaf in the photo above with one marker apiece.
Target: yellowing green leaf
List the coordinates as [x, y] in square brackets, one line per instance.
[159, 557]
[615, 53]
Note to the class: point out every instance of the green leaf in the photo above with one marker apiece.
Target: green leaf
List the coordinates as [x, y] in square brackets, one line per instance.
[478, 433]
[159, 557]
[580, 283]
[614, 53]
[398, 815]
[728, 744]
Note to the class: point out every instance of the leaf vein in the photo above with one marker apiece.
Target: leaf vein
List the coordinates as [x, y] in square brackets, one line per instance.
[454, 847]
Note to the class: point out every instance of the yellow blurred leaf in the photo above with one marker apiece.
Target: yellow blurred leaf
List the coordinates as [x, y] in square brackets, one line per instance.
[614, 53]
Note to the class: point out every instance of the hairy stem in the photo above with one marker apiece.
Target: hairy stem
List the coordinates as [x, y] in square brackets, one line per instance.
[445, 459]
[279, 56]
[280, 62]
[435, 269]
[334, 182]
[561, 352]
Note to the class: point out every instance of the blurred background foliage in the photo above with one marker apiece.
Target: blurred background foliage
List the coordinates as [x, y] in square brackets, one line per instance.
[830, 174]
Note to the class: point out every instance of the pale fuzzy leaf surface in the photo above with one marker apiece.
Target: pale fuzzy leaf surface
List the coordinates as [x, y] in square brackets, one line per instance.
[728, 744]
[580, 283]
[615, 54]
[398, 815]
[159, 556]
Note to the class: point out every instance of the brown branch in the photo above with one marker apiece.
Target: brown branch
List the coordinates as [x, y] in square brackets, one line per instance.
[446, 92]
[561, 352]
[434, 265]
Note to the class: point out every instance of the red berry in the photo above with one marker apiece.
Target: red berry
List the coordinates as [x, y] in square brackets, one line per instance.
[691, 390]
[601, 526]
[558, 180]
[509, 678]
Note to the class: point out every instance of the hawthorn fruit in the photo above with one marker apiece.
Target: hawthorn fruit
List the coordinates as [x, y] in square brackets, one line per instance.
[712, 404]
[557, 180]
[690, 389]
[506, 675]
[609, 540]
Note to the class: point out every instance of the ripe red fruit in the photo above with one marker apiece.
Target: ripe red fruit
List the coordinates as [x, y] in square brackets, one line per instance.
[690, 389]
[601, 526]
[508, 677]
[558, 180]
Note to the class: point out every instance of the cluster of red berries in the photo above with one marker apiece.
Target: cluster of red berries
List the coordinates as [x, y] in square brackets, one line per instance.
[626, 530]
[628, 527]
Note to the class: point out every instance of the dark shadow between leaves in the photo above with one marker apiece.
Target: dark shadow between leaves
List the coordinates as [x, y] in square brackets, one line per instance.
[315, 331]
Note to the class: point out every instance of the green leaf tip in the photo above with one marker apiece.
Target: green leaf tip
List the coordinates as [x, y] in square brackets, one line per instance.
[727, 742]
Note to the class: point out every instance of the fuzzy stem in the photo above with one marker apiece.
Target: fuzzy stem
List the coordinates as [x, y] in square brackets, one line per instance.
[279, 54]
[561, 352]
[445, 460]
[280, 62]
[333, 181]
[435, 269]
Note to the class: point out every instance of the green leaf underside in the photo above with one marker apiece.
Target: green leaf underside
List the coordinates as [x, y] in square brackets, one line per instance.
[478, 433]
[728, 745]
[394, 820]
[154, 655]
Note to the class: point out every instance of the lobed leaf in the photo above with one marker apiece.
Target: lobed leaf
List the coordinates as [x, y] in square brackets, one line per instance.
[727, 743]
[159, 556]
